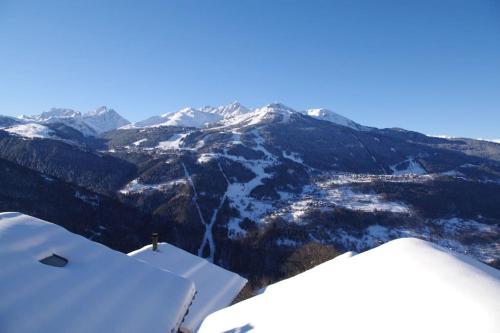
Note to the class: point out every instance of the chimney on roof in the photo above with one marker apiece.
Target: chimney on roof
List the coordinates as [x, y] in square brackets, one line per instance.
[154, 239]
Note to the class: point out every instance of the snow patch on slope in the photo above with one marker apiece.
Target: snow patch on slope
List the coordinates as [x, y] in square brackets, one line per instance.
[293, 156]
[490, 140]
[135, 186]
[188, 117]
[326, 195]
[31, 131]
[328, 115]
[175, 142]
[408, 166]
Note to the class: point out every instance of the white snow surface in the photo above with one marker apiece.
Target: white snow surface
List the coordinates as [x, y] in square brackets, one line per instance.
[408, 166]
[325, 195]
[31, 131]
[489, 140]
[406, 285]
[103, 119]
[259, 116]
[193, 117]
[97, 121]
[226, 111]
[293, 156]
[236, 114]
[328, 115]
[189, 117]
[138, 142]
[208, 236]
[54, 113]
[449, 137]
[216, 287]
[99, 290]
[174, 142]
[135, 186]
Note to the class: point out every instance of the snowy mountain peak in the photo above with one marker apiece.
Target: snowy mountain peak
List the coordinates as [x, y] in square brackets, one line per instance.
[186, 117]
[328, 115]
[97, 121]
[234, 104]
[276, 106]
[235, 113]
[230, 110]
[99, 111]
[274, 109]
[192, 117]
[269, 113]
[103, 119]
[53, 113]
[233, 109]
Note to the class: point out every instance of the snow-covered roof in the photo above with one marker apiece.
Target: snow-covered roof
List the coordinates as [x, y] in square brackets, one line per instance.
[406, 285]
[99, 290]
[216, 287]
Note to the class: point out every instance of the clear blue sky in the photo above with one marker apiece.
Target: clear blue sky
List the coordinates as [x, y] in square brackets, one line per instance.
[427, 65]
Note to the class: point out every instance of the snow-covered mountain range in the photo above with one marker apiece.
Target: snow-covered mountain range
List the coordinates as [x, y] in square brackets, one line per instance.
[238, 185]
[103, 119]
[234, 113]
[93, 122]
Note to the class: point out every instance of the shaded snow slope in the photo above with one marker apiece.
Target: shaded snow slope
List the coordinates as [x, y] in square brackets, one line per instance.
[6, 121]
[406, 285]
[216, 287]
[99, 290]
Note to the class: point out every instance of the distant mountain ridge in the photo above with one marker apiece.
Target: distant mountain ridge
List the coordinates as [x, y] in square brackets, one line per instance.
[91, 123]
[247, 187]
[209, 116]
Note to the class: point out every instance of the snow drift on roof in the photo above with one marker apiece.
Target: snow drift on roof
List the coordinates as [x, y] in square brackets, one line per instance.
[99, 290]
[216, 287]
[406, 285]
